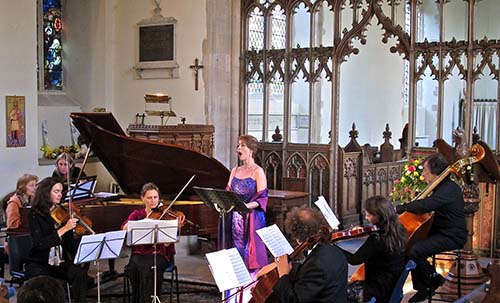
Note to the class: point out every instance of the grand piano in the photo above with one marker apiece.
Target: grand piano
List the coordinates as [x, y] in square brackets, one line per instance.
[133, 162]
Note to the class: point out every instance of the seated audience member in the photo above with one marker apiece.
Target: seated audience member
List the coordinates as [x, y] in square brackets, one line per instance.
[41, 289]
[322, 276]
[448, 230]
[383, 253]
[64, 165]
[141, 261]
[53, 248]
[25, 191]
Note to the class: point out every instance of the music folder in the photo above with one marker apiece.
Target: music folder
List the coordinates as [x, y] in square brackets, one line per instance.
[222, 200]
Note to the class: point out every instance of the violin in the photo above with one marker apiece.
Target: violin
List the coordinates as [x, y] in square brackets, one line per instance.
[61, 216]
[268, 276]
[353, 232]
[163, 212]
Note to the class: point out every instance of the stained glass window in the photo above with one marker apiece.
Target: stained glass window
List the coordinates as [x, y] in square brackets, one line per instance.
[52, 44]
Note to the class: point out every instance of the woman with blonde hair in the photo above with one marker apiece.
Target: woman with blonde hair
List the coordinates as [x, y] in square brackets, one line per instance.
[21, 197]
[66, 165]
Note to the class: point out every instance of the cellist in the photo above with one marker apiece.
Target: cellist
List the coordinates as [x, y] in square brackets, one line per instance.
[322, 276]
[448, 231]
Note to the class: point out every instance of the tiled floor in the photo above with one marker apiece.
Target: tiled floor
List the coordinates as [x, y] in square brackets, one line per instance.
[193, 269]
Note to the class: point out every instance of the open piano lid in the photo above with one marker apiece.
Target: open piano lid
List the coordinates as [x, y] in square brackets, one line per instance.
[133, 162]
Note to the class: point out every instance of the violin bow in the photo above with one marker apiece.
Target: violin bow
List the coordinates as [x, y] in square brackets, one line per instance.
[182, 190]
[70, 200]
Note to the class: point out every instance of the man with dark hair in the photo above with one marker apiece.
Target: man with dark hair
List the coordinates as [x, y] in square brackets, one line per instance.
[448, 231]
[322, 276]
[41, 289]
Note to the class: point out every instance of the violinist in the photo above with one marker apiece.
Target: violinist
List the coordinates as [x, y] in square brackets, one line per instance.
[448, 230]
[322, 276]
[383, 252]
[141, 261]
[51, 247]
[66, 165]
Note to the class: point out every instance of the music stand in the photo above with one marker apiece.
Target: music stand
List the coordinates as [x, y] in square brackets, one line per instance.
[153, 232]
[224, 202]
[97, 247]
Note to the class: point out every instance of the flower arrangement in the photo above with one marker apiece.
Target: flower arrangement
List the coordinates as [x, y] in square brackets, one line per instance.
[52, 153]
[411, 183]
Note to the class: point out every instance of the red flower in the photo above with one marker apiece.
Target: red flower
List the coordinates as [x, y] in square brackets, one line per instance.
[411, 168]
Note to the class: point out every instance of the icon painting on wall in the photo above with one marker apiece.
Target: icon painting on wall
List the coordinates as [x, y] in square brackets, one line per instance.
[16, 121]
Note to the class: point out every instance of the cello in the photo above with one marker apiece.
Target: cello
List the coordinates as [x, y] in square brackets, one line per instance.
[268, 276]
[418, 225]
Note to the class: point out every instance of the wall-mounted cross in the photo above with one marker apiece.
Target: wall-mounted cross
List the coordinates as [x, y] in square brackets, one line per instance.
[196, 66]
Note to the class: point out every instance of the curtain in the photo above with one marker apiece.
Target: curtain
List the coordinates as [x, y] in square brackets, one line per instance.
[484, 118]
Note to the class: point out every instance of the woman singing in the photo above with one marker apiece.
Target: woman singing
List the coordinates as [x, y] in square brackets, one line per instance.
[249, 181]
[51, 247]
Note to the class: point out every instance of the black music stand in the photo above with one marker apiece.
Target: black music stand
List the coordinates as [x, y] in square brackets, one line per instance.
[224, 202]
[152, 232]
[98, 247]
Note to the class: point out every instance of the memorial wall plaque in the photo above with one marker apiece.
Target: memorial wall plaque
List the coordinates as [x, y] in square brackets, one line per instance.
[156, 43]
[156, 56]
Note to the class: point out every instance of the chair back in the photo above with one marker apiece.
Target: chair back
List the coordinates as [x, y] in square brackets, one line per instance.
[397, 292]
[19, 249]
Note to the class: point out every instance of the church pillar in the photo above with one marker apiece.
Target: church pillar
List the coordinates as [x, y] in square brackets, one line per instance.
[221, 76]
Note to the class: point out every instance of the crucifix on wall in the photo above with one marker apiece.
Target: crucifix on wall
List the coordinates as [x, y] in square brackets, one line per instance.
[196, 67]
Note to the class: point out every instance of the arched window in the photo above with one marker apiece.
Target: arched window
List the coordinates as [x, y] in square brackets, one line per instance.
[50, 46]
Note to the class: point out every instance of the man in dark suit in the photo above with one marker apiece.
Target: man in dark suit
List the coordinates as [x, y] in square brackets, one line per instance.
[322, 276]
[448, 231]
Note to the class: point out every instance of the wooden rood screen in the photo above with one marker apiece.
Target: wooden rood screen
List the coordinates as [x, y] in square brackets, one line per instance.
[306, 168]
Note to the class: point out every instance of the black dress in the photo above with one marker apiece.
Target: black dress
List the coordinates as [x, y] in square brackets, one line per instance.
[382, 267]
[44, 236]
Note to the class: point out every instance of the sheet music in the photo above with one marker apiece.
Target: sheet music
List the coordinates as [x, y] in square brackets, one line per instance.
[327, 212]
[84, 189]
[230, 274]
[103, 194]
[100, 246]
[113, 243]
[351, 245]
[89, 248]
[275, 241]
[142, 231]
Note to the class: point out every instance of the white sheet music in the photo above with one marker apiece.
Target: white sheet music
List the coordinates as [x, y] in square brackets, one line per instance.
[351, 245]
[142, 231]
[275, 241]
[327, 212]
[230, 274]
[113, 243]
[100, 246]
[89, 248]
